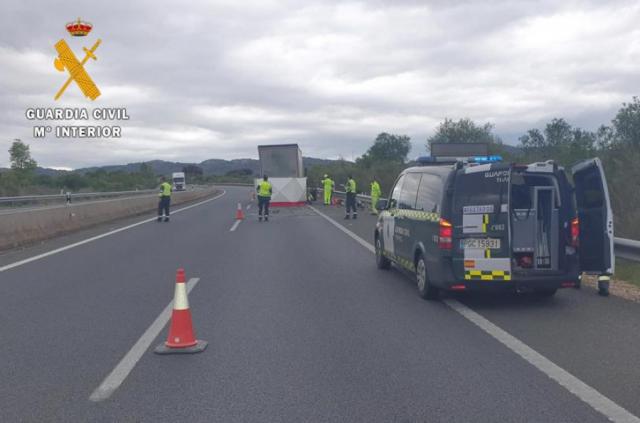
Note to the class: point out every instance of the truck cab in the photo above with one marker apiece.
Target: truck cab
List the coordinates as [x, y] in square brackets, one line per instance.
[482, 224]
[178, 181]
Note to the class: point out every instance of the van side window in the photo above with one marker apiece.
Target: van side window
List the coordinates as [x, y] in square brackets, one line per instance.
[409, 191]
[395, 194]
[429, 193]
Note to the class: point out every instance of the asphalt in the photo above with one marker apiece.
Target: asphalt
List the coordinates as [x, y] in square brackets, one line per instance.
[301, 326]
[595, 338]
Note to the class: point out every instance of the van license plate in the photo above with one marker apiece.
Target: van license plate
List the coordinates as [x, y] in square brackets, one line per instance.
[480, 243]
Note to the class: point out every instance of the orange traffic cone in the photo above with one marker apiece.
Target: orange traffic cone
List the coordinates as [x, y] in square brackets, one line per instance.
[239, 212]
[181, 339]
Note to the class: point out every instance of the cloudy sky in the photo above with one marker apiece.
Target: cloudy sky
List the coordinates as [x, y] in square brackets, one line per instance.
[213, 79]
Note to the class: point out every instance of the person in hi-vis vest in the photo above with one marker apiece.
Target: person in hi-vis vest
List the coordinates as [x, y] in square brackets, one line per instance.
[327, 186]
[165, 199]
[350, 188]
[264, 197]
[375, 195]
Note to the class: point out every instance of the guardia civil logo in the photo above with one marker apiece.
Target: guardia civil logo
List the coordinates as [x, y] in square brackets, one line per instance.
[67, 60]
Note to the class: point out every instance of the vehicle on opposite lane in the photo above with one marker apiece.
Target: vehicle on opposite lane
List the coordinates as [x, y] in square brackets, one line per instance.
[179, 182]
[484, 224]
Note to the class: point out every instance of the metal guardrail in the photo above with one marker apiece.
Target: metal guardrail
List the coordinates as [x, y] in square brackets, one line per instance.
[10, 205]
[362, 197]
[233, 184]
[627, 248]
[624, 248]
[29, 200]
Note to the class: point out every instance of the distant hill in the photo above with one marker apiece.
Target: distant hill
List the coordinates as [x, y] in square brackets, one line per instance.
[215, 167]
[158, 166]
[210, 167]
[40, 171]
[49, 172]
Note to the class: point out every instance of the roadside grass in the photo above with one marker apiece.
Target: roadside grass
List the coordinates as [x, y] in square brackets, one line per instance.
[628, 271]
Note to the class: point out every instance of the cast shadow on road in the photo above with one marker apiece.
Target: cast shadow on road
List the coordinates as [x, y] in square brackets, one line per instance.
[500, 300]
[510, 301]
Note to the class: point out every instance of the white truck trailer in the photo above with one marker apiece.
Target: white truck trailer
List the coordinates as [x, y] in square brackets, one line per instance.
[282, 163]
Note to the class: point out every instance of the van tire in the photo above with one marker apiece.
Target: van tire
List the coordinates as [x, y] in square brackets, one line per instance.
[426, 290]
[381, 261]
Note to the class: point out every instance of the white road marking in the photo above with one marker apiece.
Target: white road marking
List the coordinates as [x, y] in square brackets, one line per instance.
[235, 225]
[248, 206]
[360, 241]
[128, 362]
[586, 393]
[94, 238]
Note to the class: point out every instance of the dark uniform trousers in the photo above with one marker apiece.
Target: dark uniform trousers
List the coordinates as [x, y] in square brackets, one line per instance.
[263, 205]
[163, 205]
[351, 203]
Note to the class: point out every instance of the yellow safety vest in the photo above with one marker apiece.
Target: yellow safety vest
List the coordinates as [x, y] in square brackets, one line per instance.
[327, 184]
[264, 189]
[165, 189]
[351, 186]
[375, 189]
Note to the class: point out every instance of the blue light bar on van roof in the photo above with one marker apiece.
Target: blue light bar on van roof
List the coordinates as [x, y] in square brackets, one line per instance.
[486, 159]
[425, 160]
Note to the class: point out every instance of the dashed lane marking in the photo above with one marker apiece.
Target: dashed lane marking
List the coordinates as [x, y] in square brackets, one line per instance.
[131, 358]
[235, 225]
[97, 237]
[586, 393]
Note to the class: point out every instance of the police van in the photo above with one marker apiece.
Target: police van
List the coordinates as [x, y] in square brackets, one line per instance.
[481, 224]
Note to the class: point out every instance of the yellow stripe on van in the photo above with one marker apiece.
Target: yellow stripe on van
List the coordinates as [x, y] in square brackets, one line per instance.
[417, 215]
[487, 275]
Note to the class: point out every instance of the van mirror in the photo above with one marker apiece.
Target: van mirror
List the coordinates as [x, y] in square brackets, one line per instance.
[382, 205]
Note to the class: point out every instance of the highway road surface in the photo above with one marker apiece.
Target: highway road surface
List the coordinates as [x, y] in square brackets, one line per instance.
[302, 327]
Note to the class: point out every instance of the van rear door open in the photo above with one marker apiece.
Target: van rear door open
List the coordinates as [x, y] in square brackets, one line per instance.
[595, 218]
[481, 250]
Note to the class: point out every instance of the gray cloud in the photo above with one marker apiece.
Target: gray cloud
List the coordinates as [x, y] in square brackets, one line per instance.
[214, 79]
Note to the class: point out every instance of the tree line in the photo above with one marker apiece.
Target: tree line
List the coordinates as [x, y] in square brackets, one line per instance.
[617, 144]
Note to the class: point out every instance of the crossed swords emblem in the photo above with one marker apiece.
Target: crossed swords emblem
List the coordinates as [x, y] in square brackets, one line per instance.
[67, 60]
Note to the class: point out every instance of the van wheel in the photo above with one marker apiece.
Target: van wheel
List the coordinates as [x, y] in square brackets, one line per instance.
[381, 261]
[425, 289]
[547, 293]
